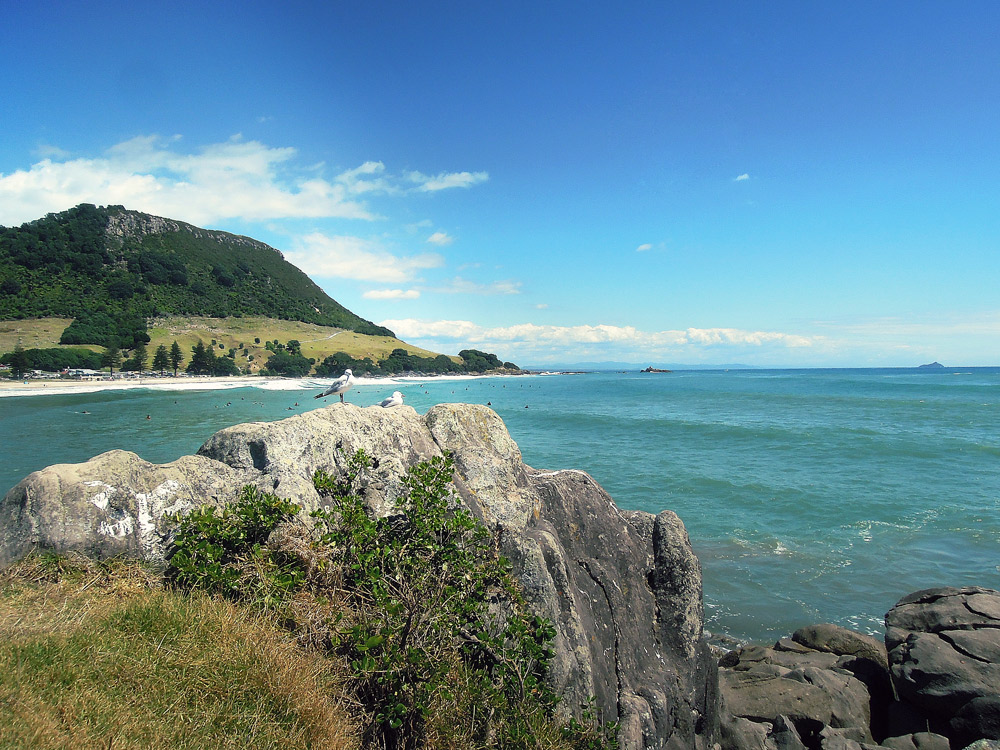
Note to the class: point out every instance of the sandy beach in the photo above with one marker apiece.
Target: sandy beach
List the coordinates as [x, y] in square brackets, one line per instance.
[62, 387]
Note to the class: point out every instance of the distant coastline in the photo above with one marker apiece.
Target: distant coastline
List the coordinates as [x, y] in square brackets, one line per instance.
[65, 387]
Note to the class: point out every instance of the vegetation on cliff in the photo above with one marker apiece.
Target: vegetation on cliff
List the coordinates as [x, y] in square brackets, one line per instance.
[356, 630]
[112, 270]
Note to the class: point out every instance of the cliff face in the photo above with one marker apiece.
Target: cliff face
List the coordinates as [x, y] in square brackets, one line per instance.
[623, 588]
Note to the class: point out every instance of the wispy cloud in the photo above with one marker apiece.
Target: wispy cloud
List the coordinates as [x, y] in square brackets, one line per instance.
[392, 294]
[532, 337]
[440, 238]
[644, 247]
[446, 180]
[741, 178]
[235, 179]
[458, 285]
[357, 258]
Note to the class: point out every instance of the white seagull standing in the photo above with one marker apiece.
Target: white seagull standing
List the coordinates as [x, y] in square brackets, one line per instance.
[341, 385]
[396, 399]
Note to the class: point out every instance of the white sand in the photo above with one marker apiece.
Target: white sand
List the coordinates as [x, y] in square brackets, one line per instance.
[62, 387]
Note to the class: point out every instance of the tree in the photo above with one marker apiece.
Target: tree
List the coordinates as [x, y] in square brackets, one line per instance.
[19, 361]
[111, 357]
[176, 357]
[199, 364]
[225, 366]
[288, 365]
[294, 347]
[139, 357]
[161, 360]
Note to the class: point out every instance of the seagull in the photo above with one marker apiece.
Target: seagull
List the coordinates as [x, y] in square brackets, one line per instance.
[396, 399]
[341, 385]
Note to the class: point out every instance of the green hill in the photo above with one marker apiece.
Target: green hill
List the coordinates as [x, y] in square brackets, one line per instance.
[112, 270]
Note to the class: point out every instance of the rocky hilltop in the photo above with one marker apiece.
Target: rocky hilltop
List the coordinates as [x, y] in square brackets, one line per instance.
[623, 588]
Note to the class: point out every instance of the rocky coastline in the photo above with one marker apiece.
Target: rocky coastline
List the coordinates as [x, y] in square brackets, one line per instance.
[623, 588]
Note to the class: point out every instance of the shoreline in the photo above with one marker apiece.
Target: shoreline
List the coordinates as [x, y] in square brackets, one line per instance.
[62, 387]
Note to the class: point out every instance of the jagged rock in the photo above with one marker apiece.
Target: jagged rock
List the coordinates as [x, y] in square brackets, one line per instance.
[943, 647]
[623, 588]
[820, 695]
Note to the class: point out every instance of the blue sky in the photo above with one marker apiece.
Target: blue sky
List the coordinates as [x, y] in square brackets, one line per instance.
[787, 184]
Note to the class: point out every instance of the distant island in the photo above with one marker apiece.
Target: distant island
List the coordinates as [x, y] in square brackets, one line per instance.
[654, 369]
[932, 366]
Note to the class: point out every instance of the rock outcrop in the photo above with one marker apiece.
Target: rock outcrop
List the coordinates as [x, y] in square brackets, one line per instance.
[934, 685]
[818, 689]
[944, 653]
[623, 588]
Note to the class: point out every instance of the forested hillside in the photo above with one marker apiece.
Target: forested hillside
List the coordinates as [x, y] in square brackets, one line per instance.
[112, 270]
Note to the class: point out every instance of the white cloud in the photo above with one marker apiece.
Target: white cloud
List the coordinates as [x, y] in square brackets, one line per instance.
[440, 238]
[542, 306]
[234, 179]
[391, 294]
[644, 247]
[741, 178]
[458, 285]
[446, 180]
[357, 258]
[651, 343]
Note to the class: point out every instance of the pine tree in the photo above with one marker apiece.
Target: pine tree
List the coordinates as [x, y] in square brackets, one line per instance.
[139, 357]
[111, 357]
[200, 364]
[176, 357]
[161, 360]
[19, 362]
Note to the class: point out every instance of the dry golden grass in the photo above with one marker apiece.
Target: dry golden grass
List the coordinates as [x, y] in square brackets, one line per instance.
[101, 656]
[318, 342]
[37, 333]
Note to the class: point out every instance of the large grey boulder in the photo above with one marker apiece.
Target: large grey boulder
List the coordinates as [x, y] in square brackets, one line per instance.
[113, 504]
[944, 654]
[623, 588]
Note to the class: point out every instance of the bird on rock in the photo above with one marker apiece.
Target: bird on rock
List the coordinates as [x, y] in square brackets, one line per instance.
[396, 399]
[341, 385]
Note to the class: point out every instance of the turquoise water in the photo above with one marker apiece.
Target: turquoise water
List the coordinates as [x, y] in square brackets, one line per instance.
[809, 495]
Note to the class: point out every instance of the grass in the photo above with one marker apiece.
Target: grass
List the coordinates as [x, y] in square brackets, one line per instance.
[100, 655]
[36, 333]
[317, 341]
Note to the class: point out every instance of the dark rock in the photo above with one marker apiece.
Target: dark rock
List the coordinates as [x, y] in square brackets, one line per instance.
[943, 652]
[823, 695]
[977, 719]
[841, 641]
[917, 741]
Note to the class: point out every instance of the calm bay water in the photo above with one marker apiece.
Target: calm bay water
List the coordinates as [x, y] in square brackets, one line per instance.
[809, 495]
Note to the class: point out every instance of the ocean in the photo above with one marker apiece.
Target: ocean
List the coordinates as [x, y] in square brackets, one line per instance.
[809, 495]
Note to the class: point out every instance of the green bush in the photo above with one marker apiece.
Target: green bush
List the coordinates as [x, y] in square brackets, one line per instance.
[439, 645]
[224, 552]
[436, 607]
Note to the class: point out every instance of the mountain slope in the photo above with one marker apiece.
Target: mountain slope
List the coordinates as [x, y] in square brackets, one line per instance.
[112, 269]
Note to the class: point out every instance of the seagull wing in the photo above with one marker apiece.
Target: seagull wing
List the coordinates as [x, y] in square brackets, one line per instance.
[338, 385]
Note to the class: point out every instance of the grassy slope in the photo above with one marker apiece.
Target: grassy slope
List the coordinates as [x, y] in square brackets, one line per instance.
[317, 341]
[101, 656]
